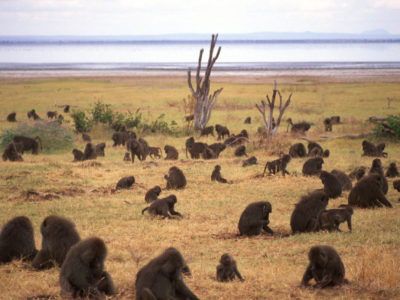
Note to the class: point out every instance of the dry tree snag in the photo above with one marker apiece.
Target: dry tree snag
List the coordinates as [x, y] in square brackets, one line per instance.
[204, 101]
[271, 130]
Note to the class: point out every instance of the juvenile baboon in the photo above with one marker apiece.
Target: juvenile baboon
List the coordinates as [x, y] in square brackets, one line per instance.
[217, 148]
[78, 155]
[297, 150]
[325, 267]
[326, 153]
[155, 152]
[377, 169]
[125, 182]
[99, 149]
[89, 152]
[175, 178]
[66, 108]
[313, 166]
[372, 150]
[86, 137]
[164, 207]
[171, 152]
[247, 120]
[392, 171]
[344, 180]
[222, 131]
[299, 127]
[51, 114]
[368, 193]
[216, 175]
[358, 173]
[250, 161]
[58, 236]
[32, 114]
[240, 151]
[207, 130]
[29, 143]
[161, 278]
[305, 214]
[227, 269]
[82, 273]
[196, 149]
[277, 165]
[11, 117]
[335, 119]
[189, 142]
[17, 240]
[332, 186]
[127, 156]
[10, 153]
[152, 194]
[396, 185]
[254, 218]
[332, 218]
[328, 124]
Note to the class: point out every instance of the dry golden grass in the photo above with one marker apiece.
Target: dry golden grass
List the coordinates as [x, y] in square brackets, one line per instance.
[272, 266]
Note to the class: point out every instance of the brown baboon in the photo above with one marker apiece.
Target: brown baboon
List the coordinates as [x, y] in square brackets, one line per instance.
[227, 269]
[127, 156]
[175, 178]
[208, 153]
[332, 218]
[66, 108]
[78, 155]
[58, 236]
[89, 152]
[247, 120]
[164, 207]
[189, 118]
[11, 117]
[196, 149]
[299, 127]
[316, 152]
[392, 171]
[51, 114]
[29, 143]
[86, 137]
[240, 151]
[120, 138]
[278, 165]
[335, 119]
[396, 185]
[222, 131]
[332, 186]
[125, 182]
[325, 267]
[152, 194]
[136, 148]
[328, 124]
[254, 218]
[82, 273]
[161, 278]
[217, 148]
[297, 150]
[377, 169]
[155, 152]
[188, 142]
[216, 175]
[372, 150]
[17, 240]
[243, 134]
[368, 193]
[250, 161]
[10, 153]
[99, 149]
[344, 180]
[207, 130]
[312, 145]
[358, 173]
[145, 147]
[326, 153]
[32, 114]
[305, 214]
[313, 166]
[171, 152]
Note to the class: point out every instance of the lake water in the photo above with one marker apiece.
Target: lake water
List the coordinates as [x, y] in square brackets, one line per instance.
[260, 55]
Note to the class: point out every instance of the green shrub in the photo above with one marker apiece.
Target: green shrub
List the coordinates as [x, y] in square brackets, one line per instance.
[81, 122]
[393, 121]
[102, 113]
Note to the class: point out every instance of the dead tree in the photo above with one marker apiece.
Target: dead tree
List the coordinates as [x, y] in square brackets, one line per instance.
[204, 101]
[271, 105]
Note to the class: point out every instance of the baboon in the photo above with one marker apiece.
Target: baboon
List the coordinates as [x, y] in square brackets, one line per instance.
[216, 175]
[240, 151]
[60, 118]
[208, 153]
[328, 124]
[164, 207]
[155, 152]
[58, 236]
[127, 156]
[120, 138]
[222, 131]
[396, 185]
[247, 120]
[171, 152]
[332, 186]
[377, 169]
[66, 108]
[51, 114]
[152, 194]
[332, 218]
[305, 214]
[344, 180]
[175, 178]
[17, 240]
[254, 218]
[243, 134]
[10, 153]
[189, 142]
[392, 171]
[125, 182]
[189, 118]
[29, 143]
[82, 273]
[368, 193]
[161, 278]
[99, 149]
[358, 173]
[86, 137]
[250, 161]
[78, 155]
[136, 148]
[335, 119]
[297, 150]
[11, 117]
[217, 148]
[207, 130]
[32, 114]
[277, 165]
[89, 152]
[325, 267]
[196, 149]
[372, 150]
[299, 127]
[326, 153]
[145, 147]
[227, 269]
[313, 166]
[312, 145]
[316, 152]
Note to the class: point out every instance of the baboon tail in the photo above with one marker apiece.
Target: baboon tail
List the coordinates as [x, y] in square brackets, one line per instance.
[145, 209]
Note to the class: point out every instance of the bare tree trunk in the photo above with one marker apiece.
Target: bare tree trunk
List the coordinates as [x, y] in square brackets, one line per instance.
[204, 101]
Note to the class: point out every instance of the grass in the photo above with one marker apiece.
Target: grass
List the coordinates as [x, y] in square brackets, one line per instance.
[272, 266]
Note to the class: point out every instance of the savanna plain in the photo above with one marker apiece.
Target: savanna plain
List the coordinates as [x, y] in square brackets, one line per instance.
[271, 265]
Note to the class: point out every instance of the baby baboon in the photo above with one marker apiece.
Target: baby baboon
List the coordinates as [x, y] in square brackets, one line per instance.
[344, 180]
[188, 142]
[331, 219]
[217, 148]
[222, 131]
[377, 169]
[125, 182]
[392, 171]
[396, 185]
[155, 152]
[78, 155]
[175, 178]
[358, 173]
[66, 108]
[82, 273]
[208, 153]
[313, 166]
[254, 218]
[89, 152]
[335, 119]
[28, 143]
[227, 269]
[99, 149]
[127, 156]
[58, 236]
[247, 120]
[240, 151]
[171, 152]
[325, 267]
[368, 193]
[152, 194]
[51, 114]
[278, 165]
[332, 186]
[305, 214]
[17, 240]
[328, 124]
[250, 161]
[297, 150]
[216, 175]
[11, 117]
[161, 278]
[207, 130]
[372, 150]
[299, 127]
[86, 137]
[163, 207]
[10, 153]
